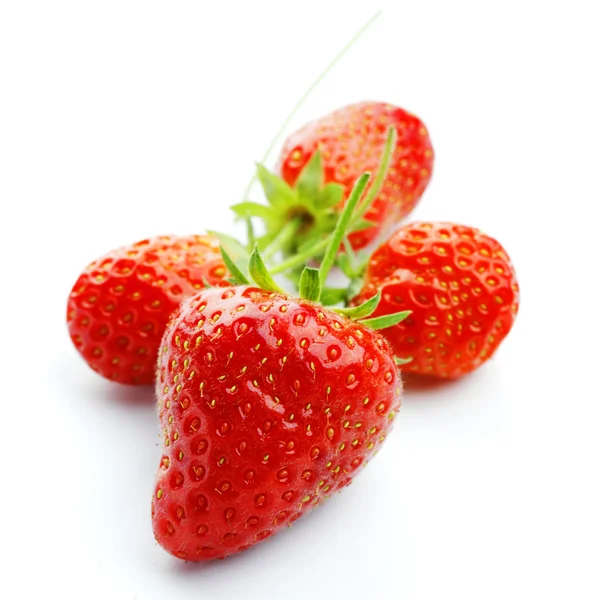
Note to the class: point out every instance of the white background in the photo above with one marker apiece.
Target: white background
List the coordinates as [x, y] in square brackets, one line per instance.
[120, 120]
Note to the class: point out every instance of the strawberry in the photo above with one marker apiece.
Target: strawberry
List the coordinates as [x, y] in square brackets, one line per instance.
[268, 405]
[119, 307]
[351, 140]
[461, 288]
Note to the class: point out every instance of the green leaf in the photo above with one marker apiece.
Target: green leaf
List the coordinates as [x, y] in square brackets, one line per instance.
[310, 181]
[402, 361]
[310, 284]
[330, 296]
[342, 225]
[386, 320]
[236, 274]
[331, 195]
[253, 209]
[260, 273]
[364, 310]
[277, 191]
[234, 248]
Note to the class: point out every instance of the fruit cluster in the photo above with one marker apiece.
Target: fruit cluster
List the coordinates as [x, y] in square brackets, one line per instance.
[271, 401]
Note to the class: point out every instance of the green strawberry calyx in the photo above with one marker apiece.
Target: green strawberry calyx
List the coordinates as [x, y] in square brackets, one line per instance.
[312, 280]
[306, 212]
[301, 218]
[294, 111]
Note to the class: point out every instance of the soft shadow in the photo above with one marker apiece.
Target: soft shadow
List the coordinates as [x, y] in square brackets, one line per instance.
[130, 394]
[81, 382]
[422, 388]
[419, 384]
[114, 431]
[233, 561]
[277, 543]
[306, 530]
[212, 566]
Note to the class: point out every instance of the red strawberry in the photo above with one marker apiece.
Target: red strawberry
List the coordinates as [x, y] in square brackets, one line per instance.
[351, 141]
[119, 307]
[461, 288]
[268, 405]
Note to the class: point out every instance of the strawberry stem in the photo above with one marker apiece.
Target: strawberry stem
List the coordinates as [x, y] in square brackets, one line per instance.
[284, 236]
[318, 247]
[250, 234]
[352, 262]
[341, 227]
[294, 111]
[386, 157]
[301, 258]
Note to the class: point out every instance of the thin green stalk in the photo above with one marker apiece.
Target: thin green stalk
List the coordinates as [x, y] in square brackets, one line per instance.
[250, 234]
[284, 236]
[351, 256]
[300, 259]
[341, 227]
[318, 247]
[307, 93]
[384, 164]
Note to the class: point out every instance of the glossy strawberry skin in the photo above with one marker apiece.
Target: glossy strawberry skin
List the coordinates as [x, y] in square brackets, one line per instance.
[119, 307]
[352, 140]
[268, 405]
[461, 288]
